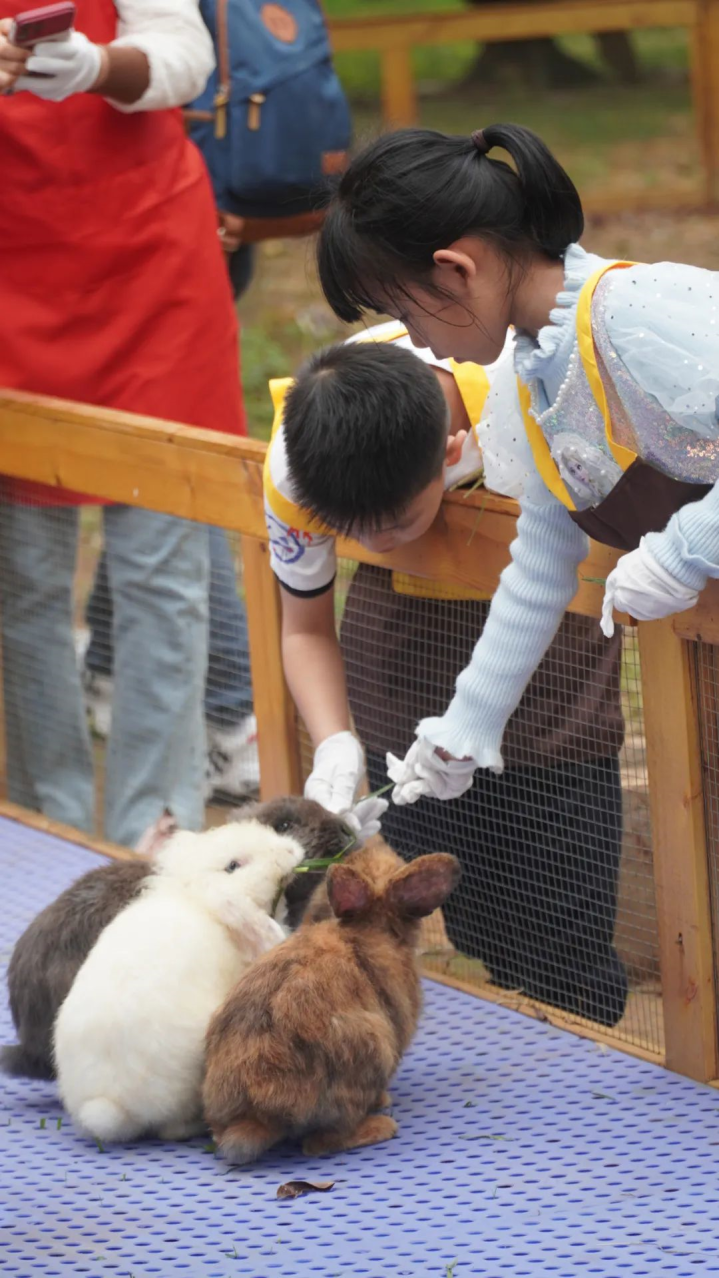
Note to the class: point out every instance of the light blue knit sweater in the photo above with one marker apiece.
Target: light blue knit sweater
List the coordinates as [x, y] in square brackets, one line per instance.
[664, 325]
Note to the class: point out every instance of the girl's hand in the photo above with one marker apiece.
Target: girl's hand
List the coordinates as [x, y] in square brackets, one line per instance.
[365, 818]
[640, 587]
[427, 771]
[12, 58]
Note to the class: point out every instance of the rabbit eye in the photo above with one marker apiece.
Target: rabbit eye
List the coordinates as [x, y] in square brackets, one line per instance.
[281, 826]
[230, 869]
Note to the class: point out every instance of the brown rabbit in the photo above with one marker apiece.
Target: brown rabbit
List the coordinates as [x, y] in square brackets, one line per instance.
[310, 1037]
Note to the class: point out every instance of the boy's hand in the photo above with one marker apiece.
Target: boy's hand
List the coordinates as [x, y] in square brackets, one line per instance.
[424, 771]
[337, 770]
[366, 818]
[640, 587]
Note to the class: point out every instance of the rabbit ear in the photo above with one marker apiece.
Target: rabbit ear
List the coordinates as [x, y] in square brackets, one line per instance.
[424, 885]
[157, 835]
[348, 893]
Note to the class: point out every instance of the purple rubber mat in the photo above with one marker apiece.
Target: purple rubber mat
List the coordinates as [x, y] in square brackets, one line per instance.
[522, 1152]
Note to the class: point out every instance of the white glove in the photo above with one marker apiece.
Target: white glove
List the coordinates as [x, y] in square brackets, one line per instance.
[424, 772]
[337, 770]
[640, 587]
[71, 66]
[365, 819]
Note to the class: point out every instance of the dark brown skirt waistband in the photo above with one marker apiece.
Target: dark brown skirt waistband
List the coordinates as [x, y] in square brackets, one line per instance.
[643, 501]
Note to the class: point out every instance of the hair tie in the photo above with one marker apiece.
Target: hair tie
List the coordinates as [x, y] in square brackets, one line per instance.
[480, 141]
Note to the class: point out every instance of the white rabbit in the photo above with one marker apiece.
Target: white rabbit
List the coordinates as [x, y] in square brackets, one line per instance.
[129, 1038]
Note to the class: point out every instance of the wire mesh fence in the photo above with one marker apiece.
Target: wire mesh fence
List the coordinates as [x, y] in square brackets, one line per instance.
[125, 661]
[557, 900]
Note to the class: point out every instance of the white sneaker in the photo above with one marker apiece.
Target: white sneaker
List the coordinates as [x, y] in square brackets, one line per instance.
[233, 764]
[97, 689]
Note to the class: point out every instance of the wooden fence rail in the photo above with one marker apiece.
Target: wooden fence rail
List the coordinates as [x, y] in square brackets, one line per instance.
[201, 475]
[394, 38]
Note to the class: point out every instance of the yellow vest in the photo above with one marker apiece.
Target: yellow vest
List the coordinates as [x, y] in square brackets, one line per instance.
[473, 385]
[543, 459]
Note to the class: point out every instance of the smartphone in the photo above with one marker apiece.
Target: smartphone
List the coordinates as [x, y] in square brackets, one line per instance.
[49, 22]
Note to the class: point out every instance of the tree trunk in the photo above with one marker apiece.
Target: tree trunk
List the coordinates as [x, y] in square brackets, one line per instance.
[619, 56]
[543, 64]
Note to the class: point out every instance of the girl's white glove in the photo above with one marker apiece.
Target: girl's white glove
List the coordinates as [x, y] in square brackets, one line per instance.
[71, 66]
[640, 587]
[424, 772]
[365, 819]
[337, 770]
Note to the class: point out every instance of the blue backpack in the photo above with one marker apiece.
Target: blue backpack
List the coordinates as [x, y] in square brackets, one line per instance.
[273, 120]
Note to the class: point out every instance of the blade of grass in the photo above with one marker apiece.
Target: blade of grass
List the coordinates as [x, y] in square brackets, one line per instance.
[475, 526]
[323, 863]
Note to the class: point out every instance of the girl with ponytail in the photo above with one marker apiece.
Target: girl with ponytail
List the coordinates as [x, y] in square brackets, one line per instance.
[618, 377]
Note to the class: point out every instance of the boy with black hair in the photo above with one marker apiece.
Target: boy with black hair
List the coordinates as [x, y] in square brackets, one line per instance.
[365, 442]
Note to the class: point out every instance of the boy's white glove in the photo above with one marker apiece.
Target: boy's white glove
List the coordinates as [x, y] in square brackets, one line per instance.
[71, 66]
[365, 819]
[424, 772]
[337, 770]
[640, 587]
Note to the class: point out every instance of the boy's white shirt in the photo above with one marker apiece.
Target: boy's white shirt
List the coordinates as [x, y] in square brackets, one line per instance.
[307, 562]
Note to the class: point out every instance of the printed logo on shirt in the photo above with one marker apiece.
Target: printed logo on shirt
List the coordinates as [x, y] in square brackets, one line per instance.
[288, 544]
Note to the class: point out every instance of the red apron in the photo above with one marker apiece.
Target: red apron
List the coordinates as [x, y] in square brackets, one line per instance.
[113, 289]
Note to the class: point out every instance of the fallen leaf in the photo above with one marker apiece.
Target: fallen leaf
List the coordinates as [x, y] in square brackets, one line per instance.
[295, 1188]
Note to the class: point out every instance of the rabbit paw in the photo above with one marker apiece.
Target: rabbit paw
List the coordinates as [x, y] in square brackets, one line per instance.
[372, 1130]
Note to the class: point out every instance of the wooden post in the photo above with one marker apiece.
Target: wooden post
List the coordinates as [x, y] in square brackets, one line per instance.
[680, 855]
[399, 97]
[274, 708]
[705, 92]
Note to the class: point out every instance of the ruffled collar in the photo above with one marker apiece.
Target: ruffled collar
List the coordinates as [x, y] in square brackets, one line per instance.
[534, 357]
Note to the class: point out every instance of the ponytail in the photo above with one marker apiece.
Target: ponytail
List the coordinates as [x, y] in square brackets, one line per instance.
[415, 191]
[552, 216]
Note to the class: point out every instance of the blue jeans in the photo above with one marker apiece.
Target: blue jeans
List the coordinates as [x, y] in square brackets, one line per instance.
[228, 688]
[158, 569]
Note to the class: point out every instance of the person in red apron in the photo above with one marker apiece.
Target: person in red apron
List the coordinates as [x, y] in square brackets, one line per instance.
[114, 292]
[619, 372]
